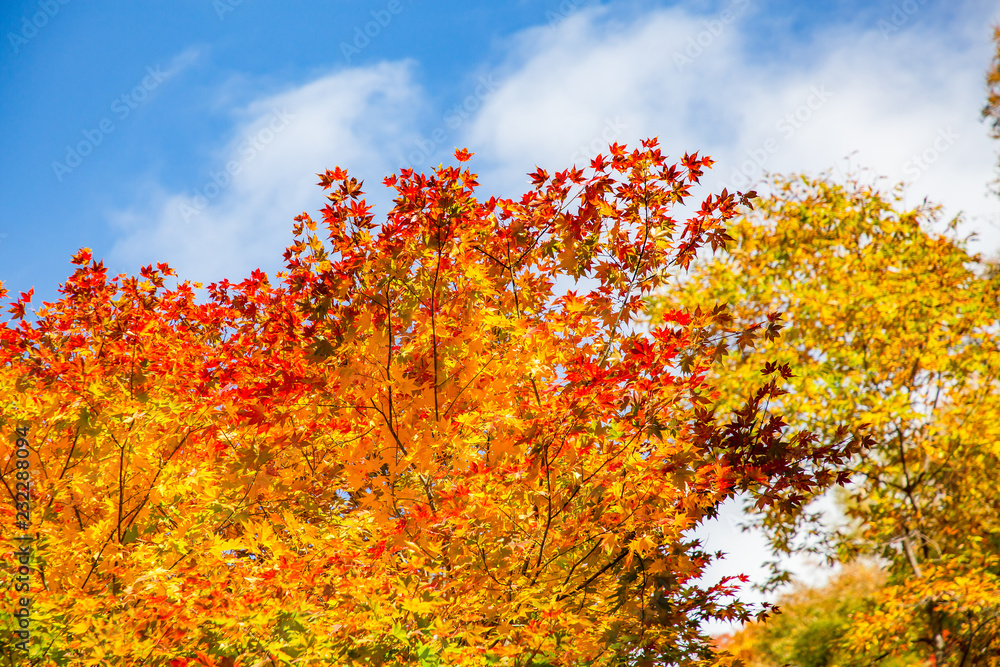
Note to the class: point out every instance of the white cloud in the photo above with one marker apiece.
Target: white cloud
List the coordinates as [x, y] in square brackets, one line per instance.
[567, 89]
[693, 82]
[238, 216]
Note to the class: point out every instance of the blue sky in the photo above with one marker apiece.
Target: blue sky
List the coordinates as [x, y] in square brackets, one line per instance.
[191, 131]
[163, 97]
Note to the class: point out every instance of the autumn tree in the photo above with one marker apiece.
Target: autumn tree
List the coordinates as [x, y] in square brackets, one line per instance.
[890, 323]
[413, 446]
[812, 624]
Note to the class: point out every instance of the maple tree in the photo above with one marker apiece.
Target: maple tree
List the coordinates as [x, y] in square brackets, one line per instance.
[413, 447]
[890, 324]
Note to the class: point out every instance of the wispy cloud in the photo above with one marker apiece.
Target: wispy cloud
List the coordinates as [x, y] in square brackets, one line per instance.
[564, 84]
[262, 177]
[845, 93]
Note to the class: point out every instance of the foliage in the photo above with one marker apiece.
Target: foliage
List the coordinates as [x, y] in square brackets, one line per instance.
[890, 324]
[811, 624]
[412, 448]
[991, 111]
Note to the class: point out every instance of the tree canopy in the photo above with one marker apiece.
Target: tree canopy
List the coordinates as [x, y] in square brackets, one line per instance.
[890, 325]
[411, 447]
[814, 622]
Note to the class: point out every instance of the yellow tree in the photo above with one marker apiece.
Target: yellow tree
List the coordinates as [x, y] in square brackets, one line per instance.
[813, 624]
[411, 448]
[891, 324]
